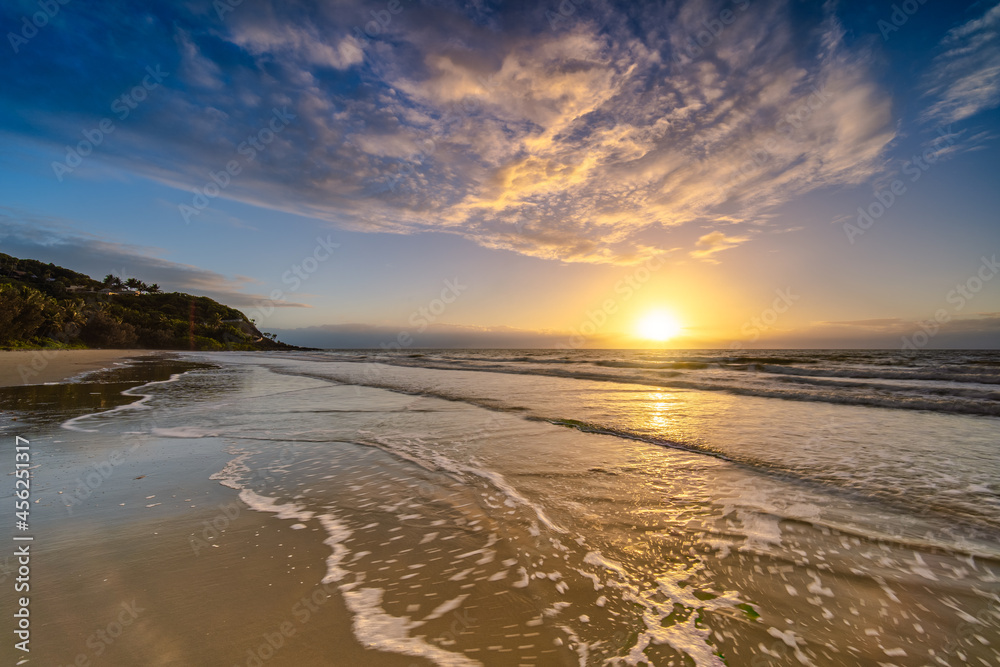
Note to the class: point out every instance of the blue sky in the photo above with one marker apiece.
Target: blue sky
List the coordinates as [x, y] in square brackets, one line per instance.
[540, 154]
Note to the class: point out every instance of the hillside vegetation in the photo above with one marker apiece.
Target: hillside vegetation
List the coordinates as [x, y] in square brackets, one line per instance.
[44, 305]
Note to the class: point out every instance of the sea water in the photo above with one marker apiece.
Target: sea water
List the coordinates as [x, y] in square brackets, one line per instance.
[625, 507]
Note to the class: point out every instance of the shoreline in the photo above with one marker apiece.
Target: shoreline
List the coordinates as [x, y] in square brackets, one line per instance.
[265, 511]
[42, 366]
[132, 527]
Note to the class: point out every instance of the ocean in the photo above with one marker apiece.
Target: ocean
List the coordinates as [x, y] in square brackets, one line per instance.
[596, 507]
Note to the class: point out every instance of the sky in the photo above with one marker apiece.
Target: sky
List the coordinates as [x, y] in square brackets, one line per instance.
[500, 174]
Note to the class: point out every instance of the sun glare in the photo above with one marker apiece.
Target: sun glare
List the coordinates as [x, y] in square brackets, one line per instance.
[658, 326]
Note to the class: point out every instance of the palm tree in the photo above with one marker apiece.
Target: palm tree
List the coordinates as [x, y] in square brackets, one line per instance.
[133, 284]
[73, 312]
[153, 289]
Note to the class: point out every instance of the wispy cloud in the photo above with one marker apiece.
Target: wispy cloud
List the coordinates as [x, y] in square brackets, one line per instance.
[965, 77]
[981, 324]
[879, 323]
[714, 242]
[571, 143]
[276, 40]
[434, 336]
[49, 241]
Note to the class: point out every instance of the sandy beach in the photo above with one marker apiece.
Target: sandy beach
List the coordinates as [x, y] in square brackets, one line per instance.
[173, 569]
[19, 367]
[257, 510]
[139, 557]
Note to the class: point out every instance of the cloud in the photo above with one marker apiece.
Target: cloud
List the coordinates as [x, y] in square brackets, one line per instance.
[978, 330]
[883, 323]
[965, 77]
[196, 68]
[274, 41]
[50, 241]
[436, 336]
[577, 143]
[714, 242]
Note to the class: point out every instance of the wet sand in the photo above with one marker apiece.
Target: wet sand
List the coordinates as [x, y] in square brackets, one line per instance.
[235, 516]
[160, 566]
[21, 367]
[140, 558]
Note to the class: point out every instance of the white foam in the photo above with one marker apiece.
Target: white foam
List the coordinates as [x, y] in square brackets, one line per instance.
[412, 449]
[762, 530]
[233, 471]
[338, 533]
[659, 603]
[593, 577]
[582, 647]
[376, 629]
[372, 625]
[445, 607]
[686, 637]
[461, 575]
[261, 503]
[72, 424]
[503, 485]
[183, 432]
[595, 558]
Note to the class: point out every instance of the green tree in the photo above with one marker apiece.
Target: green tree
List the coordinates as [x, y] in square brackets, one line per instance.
[104, 330]
[23, 311]
[112, 281]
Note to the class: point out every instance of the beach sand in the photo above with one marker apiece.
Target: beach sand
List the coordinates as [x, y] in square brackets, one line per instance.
[19, 367]
[190, 518]
[160, 566]
[139, 558]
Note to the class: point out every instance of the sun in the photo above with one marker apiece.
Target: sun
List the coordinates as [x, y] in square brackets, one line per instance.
[658, 326]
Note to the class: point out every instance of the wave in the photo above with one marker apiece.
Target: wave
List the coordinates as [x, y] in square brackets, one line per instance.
[949, 375]
[937, 398]
[73, 424]
[935, 506]
[990, 394]
[913, 504]
[372, 625]
[683, 365]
